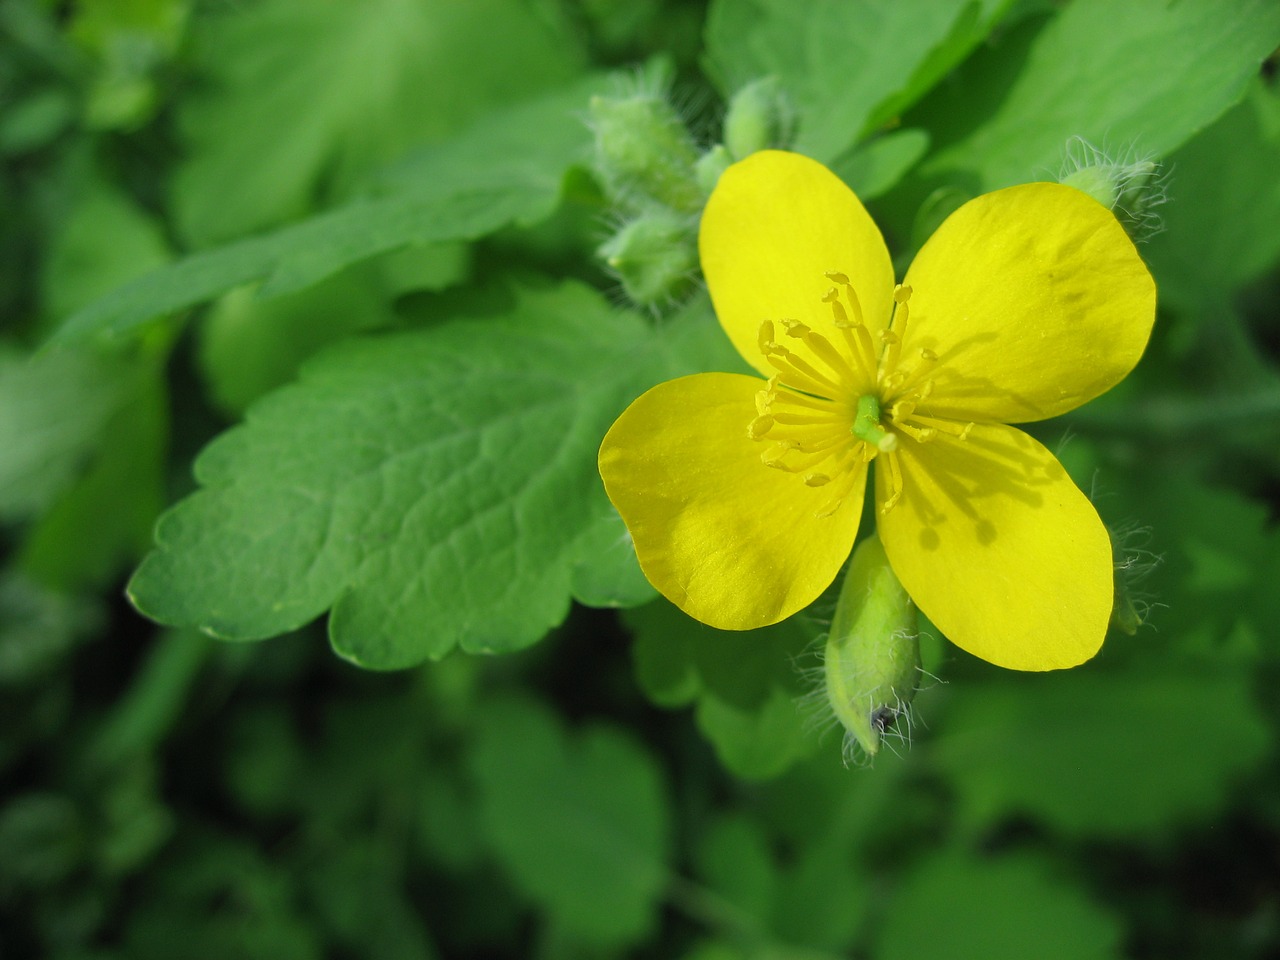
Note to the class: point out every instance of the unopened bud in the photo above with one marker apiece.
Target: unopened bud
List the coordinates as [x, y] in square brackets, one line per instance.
[1133, 189]
[655, 256]
[1133, 563]
[710, 165]
[645, 152]
[872, 661]
[760, 117]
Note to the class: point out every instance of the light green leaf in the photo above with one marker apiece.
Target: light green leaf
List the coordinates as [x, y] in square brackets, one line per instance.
[579, 821]
[978, 908]
[250, 346]
[104, 241]
[1102, 754]
[874, 167]
[1146, 75]
[302, 97]
[849, 64]
[435, 488]
[506, 168]
[1221, 222]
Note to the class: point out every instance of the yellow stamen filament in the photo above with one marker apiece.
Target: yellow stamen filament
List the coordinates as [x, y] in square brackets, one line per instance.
[841, 403]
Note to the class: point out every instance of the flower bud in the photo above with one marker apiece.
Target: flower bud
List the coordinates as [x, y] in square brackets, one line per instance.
[644, 152]
[872, 661]
[655, 256]
[760, 116]
[1133, 563]
[1131, 188]
[710, 165]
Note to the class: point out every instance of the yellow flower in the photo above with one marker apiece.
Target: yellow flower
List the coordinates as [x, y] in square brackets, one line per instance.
[744, 496]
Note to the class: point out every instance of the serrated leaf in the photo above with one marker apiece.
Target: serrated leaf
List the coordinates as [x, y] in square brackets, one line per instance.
[580, 821]
[1144, 75]
[1011, 908]
[506, 168]
[435, 488]
[1102, 754]
[301, 97]
[849, 64]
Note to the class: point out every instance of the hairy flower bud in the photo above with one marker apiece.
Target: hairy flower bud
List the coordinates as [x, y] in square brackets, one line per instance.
[1132, 188]
[644, 152]
[872, 660]
[761, 117]
[655, 256]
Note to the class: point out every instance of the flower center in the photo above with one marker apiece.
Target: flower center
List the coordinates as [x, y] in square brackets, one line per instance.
[822, 419]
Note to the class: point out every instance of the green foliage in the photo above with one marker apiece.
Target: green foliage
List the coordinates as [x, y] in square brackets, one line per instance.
[581, 823]
[413, 479]
[310, 310]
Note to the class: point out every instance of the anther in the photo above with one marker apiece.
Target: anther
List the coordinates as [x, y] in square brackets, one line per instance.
[816, 479]
[759, 427]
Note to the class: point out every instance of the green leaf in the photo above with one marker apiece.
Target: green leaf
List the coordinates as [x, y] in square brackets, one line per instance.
[1220, 226]
[104, 241]
[54, 412]
[443, 477]
[1102, 754]
[579, 821]
[849, 64]
[1145, 75]
[302, 97]
[875, 167]
[1011, 908]
[746, 684]
[103, 522]
[249, 347]
[506, 168]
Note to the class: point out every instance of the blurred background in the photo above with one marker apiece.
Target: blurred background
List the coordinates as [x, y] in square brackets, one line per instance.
[520, 752]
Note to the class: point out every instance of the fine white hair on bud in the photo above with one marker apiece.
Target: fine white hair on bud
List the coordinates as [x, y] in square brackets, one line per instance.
[871, 664]
[1131, 185]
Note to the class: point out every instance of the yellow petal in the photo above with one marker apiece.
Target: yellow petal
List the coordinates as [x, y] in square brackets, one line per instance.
[1034, 299]
[1000, 549]
[775, 224]
[730, 541]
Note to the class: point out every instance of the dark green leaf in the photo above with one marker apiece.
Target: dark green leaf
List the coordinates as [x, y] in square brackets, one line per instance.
[580, 821]
[1105, 754]
[975, 908]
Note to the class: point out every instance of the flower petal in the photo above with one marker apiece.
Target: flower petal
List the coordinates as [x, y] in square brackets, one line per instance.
[775, 223]
[730, 541]
[1034, 299]
[1000, 549]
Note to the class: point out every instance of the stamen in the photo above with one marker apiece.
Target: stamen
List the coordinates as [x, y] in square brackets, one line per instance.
[920, 434]
[795, 371]
[759, 427]
[854, 303]
[894, 477]
[893, 336]
[821, 348]
[950, 427]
